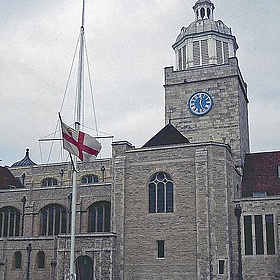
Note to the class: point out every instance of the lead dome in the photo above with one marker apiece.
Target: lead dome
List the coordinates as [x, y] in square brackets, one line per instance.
[26, 161]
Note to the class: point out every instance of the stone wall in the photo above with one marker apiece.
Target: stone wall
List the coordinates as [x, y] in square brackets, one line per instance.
[227, 122]
[203, 177]
[262, 266]
[98, 246]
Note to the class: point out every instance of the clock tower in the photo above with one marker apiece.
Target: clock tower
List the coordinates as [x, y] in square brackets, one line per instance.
[205, 91]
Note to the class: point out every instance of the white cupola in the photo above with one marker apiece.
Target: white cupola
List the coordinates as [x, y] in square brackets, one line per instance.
[204, 9]
[205, 41]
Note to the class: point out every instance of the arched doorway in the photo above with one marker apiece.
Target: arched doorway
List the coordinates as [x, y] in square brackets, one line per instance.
[84, 268]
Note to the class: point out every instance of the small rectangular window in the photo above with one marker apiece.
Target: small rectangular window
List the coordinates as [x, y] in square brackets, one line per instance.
[221, 266]
[260, 194]
[278, 168]
[160, 245]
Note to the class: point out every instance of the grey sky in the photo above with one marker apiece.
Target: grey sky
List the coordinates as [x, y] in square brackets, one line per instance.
[129, 44]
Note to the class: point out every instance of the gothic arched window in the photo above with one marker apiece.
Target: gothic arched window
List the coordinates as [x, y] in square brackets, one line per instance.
[17, 259]
[49, 182]
[84, 268]
[99, 217]
[41, 259]
[160, 193]
[53, 220]
[89, 179]
[9, 221]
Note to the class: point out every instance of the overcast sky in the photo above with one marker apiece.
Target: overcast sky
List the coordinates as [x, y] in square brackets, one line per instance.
[129, 44]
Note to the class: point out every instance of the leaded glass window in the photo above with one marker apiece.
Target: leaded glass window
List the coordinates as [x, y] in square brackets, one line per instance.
[9, 222]
[49, 182]
[99, 219]
[259, 234]
[270, 239]
[161, 193]
[248, 235]
[89, 179]
[53, 220]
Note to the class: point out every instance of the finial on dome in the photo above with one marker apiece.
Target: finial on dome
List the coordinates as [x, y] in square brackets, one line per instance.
[204, 9]
[26, 161]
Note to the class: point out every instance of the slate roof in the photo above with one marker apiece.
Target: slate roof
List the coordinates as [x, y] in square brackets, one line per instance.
[26, 161]
[261, 173]
[7, 179]
[169, 135]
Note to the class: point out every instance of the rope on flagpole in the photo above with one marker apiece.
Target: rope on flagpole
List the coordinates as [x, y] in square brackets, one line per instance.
[73, 164]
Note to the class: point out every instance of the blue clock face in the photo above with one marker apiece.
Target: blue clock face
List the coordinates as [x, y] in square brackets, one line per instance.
[200, 103]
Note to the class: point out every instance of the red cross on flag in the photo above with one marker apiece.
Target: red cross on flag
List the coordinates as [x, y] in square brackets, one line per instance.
[78, 143]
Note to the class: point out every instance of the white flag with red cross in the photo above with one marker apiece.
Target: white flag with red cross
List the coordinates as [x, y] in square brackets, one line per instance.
[78, 143]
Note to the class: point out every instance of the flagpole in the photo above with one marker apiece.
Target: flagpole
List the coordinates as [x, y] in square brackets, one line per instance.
[77, 127]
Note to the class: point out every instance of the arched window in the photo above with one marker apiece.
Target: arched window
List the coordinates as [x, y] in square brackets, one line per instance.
[49, 182]
[84, 268]
[202, 13]
[53, 220]
[208, 12]
[99, 217]
[89, 179]
[160, 193]
[9, 221]
[17, 259]
[41, 259]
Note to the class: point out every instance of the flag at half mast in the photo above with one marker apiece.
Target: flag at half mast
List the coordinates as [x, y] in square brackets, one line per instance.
[78, 143]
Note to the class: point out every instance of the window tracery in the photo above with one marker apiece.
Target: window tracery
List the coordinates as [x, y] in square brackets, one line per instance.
[161, 193]
[99, 217]
[89, 179]
[9, 221]
[53, 220]
[49, 182]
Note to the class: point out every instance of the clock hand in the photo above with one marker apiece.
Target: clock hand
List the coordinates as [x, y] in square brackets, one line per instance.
[200, 103]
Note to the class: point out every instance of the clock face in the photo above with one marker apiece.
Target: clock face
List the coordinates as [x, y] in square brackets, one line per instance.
[200, 103]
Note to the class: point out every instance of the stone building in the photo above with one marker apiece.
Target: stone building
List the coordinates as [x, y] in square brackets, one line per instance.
[191, 203]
